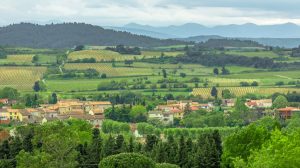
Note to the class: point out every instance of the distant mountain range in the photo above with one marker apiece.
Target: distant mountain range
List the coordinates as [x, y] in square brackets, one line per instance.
[70, 34]
[283, 35]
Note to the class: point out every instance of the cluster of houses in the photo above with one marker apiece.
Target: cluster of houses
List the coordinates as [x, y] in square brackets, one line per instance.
[176, 109]
[92, 111]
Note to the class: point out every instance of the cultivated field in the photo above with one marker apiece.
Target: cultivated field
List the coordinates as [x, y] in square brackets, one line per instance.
[107, 55]
[109, 70]
[18, 59]
[240, 91]
[21, 78]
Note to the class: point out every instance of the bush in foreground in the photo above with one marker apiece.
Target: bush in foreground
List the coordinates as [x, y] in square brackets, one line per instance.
[127, 160]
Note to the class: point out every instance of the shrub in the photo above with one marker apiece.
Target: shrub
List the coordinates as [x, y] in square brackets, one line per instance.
[127, 160]
[166, 165]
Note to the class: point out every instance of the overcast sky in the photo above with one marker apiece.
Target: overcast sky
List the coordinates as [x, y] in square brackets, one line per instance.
[151, 12]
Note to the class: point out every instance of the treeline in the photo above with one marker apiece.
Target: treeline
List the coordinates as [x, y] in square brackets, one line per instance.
[207, 57]
[222, 43]
[54, 73]
[296, 52]
[3, 53]
[125, 50]
[74, 144]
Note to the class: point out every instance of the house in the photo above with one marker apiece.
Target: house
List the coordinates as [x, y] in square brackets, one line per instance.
[165, 117]
[99, 106]
[13, 113]
[4, 101]
[24, 116]
[263, 103]
[173, 108]
[47, 113]
[228, 102]
[287, 112]
[4, 116]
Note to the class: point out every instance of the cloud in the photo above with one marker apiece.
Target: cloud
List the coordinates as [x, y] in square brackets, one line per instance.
[152, 12]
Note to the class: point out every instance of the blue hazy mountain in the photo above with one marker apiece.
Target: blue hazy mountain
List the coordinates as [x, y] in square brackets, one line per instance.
[248, 30]
[283, 35]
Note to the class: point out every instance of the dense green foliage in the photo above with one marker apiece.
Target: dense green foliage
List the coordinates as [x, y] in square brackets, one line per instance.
[125, 50]
[127, 160]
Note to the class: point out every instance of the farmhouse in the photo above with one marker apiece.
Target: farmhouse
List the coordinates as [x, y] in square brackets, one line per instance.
[263, 103]
[4, 101]
[165, 117]
[287, 112]
[228, 102]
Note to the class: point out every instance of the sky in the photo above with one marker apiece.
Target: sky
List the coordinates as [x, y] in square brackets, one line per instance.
[150, 12]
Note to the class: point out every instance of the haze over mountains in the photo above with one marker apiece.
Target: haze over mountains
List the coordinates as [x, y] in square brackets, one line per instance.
[65, 35]
[283, 35]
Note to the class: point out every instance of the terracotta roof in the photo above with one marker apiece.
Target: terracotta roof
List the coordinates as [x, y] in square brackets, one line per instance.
[3, 101]
[99, 103]
[176, 110]
[288, 109]
[25, 113]
[194, 108]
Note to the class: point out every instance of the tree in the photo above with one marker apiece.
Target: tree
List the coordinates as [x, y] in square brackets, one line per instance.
[95, 149]
[35, 59]
[164, 73]
[79, 48]
[225, 71]
[36, 160]
[53, 98]
[214, 92]
[127, 160]
[280, 151]
[138, 113]
[120, 145]
[280, 102]
[241, 143]
[182, 154]
[254, 83]
[108, 148]
[226, 94]
[182, 74]
[128, 62]
[216, 71]
[103, 75]
[39, 86]
[9, 93]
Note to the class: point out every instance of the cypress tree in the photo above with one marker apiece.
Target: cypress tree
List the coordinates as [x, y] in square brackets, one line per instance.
[218, 142]
[182, 155]
[95, 148]
[27, 144]
[171, 150]
[160, 153]
[131, 145]
[108, 148]
[119, 145]
[83, 155]
[151, 140]
[5, 150]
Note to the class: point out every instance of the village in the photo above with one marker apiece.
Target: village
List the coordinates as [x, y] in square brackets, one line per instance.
[93, 111]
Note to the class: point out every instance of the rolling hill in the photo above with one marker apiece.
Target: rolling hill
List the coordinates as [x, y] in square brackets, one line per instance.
[68, 35]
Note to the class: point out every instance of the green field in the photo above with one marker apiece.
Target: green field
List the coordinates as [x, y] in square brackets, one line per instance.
[269, 54]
